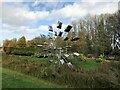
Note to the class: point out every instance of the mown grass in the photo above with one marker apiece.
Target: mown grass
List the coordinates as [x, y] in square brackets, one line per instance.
[31, 58]
[89, 64]
[0, 77]
[13, 79]
[24, 58]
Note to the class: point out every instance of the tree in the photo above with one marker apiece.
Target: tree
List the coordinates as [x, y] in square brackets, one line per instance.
[6, 43]
[21, 42]
[113, 27]
[10, 43]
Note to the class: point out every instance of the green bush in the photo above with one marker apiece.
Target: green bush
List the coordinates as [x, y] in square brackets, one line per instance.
[100, 58]
[82, 57]
[21, 51]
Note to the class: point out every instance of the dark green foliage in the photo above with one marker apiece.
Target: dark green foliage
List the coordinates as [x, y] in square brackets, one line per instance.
[100, 58]
[82, 57]
[26, 51]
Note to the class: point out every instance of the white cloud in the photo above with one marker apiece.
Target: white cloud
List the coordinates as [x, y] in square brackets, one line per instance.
[17, 16]
[78, 10]
[11, 0]
[95, 1]
[102, 8]
[9, 32]
[24, 29]
[69, 11]
[35, 3]
[43, 28]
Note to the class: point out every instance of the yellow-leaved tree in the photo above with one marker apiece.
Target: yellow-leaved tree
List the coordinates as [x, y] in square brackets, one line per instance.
[21, 42]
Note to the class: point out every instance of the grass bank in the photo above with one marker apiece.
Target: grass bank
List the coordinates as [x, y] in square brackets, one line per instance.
[13, 79]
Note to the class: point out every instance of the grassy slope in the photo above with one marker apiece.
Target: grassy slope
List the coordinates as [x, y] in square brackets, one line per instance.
[86, 65]
[0, 77]
[12, 79]
[33, 58]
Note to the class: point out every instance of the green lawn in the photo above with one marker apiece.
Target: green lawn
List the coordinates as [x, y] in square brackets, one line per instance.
[29, 58]
[86, 65]
[13, 79]
[0, 77]
[33, 58]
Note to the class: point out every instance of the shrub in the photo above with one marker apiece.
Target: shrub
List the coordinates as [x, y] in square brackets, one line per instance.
[100, 58]
[82, 57]
[21, 51]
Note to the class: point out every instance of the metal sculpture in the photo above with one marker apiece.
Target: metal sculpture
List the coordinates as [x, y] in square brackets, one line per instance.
[52, 35]
[59, 25]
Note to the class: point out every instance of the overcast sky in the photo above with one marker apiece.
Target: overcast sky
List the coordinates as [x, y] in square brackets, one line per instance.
[32, 18]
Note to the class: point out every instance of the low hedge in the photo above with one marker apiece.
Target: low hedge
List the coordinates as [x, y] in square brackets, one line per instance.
[27, 51]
